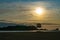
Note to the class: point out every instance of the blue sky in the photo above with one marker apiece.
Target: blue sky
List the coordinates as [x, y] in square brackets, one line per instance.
[22, 10]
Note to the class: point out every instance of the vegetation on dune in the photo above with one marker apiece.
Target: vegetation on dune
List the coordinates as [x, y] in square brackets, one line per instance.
[19, 27]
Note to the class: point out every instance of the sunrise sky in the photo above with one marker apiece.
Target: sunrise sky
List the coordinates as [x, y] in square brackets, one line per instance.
[23, 11]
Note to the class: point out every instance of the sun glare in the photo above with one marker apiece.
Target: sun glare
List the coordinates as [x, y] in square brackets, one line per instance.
[39, 11]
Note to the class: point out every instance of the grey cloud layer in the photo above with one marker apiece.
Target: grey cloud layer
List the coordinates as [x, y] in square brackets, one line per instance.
[22, 10]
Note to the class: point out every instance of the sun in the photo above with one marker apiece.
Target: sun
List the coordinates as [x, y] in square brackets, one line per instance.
[39, 11]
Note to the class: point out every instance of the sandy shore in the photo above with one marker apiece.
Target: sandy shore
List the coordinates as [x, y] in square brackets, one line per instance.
[29, 36]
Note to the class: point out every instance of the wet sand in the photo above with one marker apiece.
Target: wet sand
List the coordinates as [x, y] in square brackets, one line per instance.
[29, 35]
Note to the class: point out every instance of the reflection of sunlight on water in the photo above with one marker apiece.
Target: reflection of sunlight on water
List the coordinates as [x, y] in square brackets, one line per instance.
[50, 27]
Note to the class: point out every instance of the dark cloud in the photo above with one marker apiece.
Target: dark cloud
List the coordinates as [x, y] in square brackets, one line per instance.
[2, 20]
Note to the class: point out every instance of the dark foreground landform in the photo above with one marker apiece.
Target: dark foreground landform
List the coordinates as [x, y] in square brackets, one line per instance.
[29, 35]
[19, 27]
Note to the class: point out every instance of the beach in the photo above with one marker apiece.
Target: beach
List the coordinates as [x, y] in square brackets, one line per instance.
[29, 35]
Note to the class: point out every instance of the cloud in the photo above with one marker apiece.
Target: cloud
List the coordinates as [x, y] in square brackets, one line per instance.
[15, 10]
[9, 1]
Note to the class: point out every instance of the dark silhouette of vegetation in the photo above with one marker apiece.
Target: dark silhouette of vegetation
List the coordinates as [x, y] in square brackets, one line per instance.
[57, 28]
[19, 27]
[39, 25]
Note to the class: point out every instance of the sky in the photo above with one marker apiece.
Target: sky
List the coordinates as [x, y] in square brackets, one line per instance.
[22, 11]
